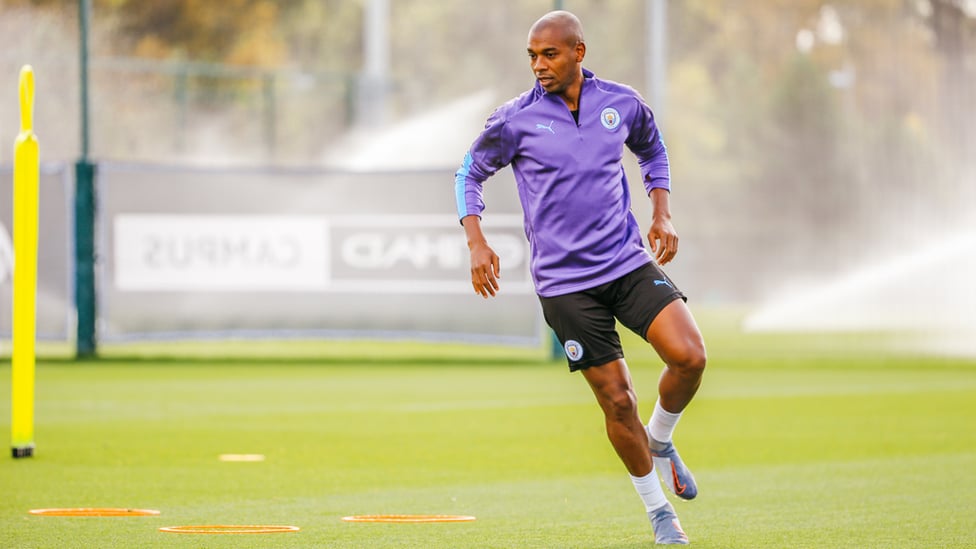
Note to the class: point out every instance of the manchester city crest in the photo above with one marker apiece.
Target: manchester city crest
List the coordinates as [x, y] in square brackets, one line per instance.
[573, 350]
[610, 118]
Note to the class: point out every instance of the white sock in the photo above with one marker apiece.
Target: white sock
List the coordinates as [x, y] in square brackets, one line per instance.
[649, 489]
[662, 423]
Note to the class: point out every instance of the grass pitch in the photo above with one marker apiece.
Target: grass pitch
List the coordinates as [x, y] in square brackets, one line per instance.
[795, 441]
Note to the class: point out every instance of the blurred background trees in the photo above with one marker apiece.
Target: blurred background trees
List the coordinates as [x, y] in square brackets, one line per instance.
[797, 129]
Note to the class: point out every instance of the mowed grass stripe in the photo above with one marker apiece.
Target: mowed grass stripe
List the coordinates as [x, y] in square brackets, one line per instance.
[869, 451]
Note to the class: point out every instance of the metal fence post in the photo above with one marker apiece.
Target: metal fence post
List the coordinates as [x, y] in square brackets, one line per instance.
[85, 345]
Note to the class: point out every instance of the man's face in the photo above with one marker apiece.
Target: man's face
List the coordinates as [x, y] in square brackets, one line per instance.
[555, 59]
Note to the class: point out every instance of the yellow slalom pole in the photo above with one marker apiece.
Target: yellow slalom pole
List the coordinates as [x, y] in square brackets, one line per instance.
[27, 172]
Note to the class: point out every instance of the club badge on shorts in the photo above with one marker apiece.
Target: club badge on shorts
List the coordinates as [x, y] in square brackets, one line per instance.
[573, 350]
[610, 118]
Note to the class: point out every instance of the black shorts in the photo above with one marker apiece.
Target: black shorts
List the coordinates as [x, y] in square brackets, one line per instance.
[585, 322]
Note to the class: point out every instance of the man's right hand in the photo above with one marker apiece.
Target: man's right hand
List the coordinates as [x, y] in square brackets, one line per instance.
[484, 269]
[484, 261]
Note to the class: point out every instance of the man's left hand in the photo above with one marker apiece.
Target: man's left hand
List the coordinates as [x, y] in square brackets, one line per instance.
[663, 240]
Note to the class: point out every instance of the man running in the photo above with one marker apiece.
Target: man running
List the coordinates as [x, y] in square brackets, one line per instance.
[564, 139]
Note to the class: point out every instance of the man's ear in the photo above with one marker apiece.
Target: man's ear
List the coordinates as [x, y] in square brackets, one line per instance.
[580, 52]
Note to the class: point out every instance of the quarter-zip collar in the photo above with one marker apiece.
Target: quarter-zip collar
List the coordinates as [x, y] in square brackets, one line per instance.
[587, 75]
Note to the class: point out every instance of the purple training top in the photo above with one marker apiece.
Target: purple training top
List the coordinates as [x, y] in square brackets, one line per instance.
[571, 182]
